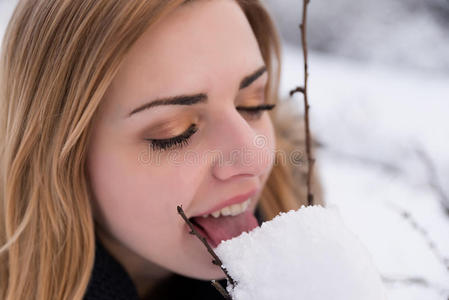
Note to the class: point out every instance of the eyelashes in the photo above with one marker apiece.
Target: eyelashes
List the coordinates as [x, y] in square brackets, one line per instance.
[255, 112]
[177, 142]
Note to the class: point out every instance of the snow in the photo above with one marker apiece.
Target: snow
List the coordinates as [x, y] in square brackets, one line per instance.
[384, 162]
[304, 254]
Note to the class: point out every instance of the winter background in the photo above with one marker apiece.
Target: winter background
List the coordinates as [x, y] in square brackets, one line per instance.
[379, 96]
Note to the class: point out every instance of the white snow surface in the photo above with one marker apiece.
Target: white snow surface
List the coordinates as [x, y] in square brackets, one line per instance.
[384, 162]
[304, 254]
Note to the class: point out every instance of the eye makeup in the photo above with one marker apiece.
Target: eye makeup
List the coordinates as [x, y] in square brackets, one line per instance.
[253, 113]
[174, 142]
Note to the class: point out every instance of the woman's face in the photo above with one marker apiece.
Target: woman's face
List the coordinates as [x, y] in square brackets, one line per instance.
[207, 52]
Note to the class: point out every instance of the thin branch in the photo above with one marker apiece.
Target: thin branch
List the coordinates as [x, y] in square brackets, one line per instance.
[216, 260]
[434, 181]
[384, 165]
[303, 90]
[406, 280]
[298, 89]
[424, 234]
[222, 291]
[417, 281]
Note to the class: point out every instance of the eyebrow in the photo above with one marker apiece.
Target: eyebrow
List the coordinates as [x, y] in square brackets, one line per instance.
[197, 98]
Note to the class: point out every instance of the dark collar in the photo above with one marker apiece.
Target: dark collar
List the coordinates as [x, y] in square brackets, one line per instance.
[109, 280]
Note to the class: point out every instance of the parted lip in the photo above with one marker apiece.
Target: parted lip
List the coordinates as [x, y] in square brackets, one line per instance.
[234, 200]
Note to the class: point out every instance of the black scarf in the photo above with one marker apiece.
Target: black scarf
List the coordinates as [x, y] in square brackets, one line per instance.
[110, 281]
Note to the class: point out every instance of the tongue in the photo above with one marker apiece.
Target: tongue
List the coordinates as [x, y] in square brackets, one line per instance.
[226, 227]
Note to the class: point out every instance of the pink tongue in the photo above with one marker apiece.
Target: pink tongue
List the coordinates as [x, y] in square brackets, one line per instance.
[227, 227]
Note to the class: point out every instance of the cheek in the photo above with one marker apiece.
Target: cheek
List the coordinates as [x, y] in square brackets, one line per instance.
[130, 196]
[268, 132]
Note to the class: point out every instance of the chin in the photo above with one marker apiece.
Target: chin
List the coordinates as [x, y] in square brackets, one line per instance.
[204, 272]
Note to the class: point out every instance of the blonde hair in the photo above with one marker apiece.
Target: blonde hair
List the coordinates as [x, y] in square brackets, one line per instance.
[57, 60]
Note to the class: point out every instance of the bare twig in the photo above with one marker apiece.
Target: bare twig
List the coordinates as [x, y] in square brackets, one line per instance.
[222, 291]
[384, 165]
[303, 90]
[434, 181]
[408, 280]
[216, 260]
[423, 232]
[415, 281]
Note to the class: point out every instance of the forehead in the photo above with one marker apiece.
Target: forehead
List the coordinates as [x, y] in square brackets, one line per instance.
[204, 44]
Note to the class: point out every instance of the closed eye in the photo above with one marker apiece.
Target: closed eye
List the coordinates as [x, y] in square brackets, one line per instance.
[254, 112]
[177, 141]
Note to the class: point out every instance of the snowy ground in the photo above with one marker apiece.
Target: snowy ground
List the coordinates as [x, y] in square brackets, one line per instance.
[385, 163]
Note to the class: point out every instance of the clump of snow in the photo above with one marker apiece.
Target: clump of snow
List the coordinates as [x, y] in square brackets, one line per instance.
[304, 254]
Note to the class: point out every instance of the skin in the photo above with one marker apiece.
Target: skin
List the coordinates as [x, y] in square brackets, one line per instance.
[202, 47]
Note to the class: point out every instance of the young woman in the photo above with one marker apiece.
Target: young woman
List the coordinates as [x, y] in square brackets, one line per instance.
[113, 113]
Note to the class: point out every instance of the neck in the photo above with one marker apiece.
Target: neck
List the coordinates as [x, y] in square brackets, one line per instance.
[144, 274]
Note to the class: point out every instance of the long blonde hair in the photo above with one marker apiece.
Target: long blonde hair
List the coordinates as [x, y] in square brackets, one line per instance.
[58, 58]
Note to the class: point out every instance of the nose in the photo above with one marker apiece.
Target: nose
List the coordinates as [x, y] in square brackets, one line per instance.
[242, 149]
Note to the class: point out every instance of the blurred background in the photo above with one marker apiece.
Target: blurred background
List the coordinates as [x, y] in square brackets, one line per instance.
[379, 97]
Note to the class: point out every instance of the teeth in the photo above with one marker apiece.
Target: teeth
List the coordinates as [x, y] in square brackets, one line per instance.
[231, 210]
[226, 211]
